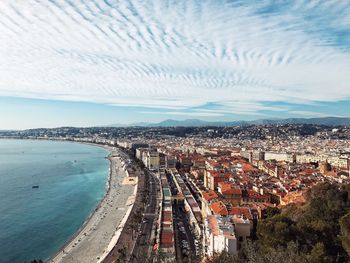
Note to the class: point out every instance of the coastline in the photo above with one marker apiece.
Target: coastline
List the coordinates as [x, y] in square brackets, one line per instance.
[74, 250]
[81, 228]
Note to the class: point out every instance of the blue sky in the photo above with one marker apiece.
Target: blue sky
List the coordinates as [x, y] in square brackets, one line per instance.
[85, 63]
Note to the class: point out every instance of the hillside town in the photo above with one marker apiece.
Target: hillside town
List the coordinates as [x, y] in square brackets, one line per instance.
[214, 189]
[225, 189]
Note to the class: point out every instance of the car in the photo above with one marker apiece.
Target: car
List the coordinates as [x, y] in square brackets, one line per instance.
[185, 246]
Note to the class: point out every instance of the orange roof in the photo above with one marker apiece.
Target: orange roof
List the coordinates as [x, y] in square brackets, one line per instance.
[331, 173]
[219, 208]
[308, 171]
[294, 197]
[219, 174]
[228, 188]
[247, 167]
[209, 195]
[241, 211]
[255, 195]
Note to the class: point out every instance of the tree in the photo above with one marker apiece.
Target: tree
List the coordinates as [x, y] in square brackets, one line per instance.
[252, 252]
[320, 228]
[345, 232]
[319, 224]
[276, 231]
[318, 254]
[122, 255]
[272, 211]
[223, 257]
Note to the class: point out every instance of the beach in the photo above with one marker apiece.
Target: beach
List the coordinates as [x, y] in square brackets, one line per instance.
[102, 229]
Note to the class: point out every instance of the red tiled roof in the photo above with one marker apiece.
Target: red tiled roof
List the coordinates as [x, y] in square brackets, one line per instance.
[255, 195]
[220, 174]
[209, 195]
[219, 208]
[331, 174]
[243, 211]
[308, 171]
[166, 239]
[228, 188]
[247, 167]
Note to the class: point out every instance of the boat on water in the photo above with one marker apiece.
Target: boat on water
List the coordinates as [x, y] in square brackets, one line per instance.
[35, 186]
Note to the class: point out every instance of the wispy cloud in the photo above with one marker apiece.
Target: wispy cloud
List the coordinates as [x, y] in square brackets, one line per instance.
[314, 114]
[176, 54]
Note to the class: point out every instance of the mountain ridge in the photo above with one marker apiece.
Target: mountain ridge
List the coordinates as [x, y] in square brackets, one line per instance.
[332, 121]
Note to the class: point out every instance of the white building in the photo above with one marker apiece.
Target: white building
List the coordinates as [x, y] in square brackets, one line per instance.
[278, 156]
[140, 152]
[151, 159]
[219, 235]
[242, 228]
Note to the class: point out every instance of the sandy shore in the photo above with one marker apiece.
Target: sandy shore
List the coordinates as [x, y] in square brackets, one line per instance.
[100, 231]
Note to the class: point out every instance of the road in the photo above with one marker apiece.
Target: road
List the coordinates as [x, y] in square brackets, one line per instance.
[182, 230]
[143, 242]
[184, 233]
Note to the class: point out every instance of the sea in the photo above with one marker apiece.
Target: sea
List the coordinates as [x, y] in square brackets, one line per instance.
[69, 180]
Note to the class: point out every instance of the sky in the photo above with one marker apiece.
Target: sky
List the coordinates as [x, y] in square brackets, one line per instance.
[100, 62]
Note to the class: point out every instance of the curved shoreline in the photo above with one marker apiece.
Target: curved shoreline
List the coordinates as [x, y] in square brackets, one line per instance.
[103, 223]
[86, 221]
[88, 236]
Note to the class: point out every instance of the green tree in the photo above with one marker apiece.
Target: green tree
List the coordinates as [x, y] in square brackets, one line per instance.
[272, 211]
[345, 232]
[318, 254]
[320, 222]
[252, 252]
[317, 228]
[276, 231]
[223, 257]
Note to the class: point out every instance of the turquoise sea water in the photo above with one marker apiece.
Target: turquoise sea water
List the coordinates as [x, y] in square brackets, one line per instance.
[35, 223]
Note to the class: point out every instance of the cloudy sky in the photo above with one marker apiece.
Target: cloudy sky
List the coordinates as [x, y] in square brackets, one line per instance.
[92, 62]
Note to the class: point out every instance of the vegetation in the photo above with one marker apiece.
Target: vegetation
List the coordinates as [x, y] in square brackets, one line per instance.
[345, 232]
[319, 231]
[123, 255]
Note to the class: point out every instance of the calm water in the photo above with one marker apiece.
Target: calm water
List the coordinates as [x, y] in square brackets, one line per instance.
[35, 223]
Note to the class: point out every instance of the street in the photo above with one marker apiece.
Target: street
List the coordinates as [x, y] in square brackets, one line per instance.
[144, 241]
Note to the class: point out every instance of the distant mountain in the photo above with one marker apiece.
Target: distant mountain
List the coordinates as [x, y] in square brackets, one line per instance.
[318, 121]
[190, 123]
[200, 123]
[141, 124]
